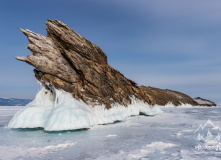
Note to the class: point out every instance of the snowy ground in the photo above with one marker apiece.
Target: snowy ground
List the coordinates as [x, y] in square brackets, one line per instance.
[170, 135]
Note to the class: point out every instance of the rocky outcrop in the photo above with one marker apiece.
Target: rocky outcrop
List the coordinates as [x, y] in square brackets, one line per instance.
[204, 102]
[164, 96]
[68, 61]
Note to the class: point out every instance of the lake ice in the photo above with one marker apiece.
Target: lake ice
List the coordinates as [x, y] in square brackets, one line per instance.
[170, 135]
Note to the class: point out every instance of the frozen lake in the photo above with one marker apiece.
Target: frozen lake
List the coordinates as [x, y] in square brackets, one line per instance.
[171, 135]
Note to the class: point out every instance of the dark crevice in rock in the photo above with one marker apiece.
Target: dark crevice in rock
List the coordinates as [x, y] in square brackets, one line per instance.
[79, 72]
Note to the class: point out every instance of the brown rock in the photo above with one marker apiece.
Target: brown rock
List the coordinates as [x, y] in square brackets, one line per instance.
[164, 96]
[66, 60]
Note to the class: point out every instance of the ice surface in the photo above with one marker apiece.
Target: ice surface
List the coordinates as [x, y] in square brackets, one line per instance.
[63, 112]
[170, 135]
[16, 152]
[140, 153]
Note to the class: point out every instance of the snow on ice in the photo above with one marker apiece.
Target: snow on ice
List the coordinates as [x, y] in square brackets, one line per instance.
[170, 135]
[66, 113]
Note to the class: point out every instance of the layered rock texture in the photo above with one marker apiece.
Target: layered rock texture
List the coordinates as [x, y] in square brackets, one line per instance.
[68, 61]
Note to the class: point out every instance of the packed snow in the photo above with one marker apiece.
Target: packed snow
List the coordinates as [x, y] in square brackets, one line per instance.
[63, 112]
[171, 135]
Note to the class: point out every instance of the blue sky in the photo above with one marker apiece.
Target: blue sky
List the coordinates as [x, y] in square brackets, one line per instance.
[167, 44]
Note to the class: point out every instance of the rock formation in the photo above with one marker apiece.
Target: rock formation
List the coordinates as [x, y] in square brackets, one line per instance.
[204, 102]
[68, 61]
[164, 96]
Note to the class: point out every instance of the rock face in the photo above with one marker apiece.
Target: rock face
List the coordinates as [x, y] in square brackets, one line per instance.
[163, 96]
[66, 60]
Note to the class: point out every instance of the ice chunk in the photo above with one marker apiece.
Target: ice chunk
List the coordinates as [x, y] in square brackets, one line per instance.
[64, 112]
[35, 113]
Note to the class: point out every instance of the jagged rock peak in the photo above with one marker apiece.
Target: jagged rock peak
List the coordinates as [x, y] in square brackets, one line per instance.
[68, 61]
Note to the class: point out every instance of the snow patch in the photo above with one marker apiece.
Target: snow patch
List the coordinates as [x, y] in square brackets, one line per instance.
[154, 147]
[63, 112]
[171, 105]
[142, 153]
[55, 147]
[112, 135]
[19, 152]
[160, 145]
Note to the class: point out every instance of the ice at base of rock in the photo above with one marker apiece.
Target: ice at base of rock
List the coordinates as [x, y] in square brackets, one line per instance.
[63, 112]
